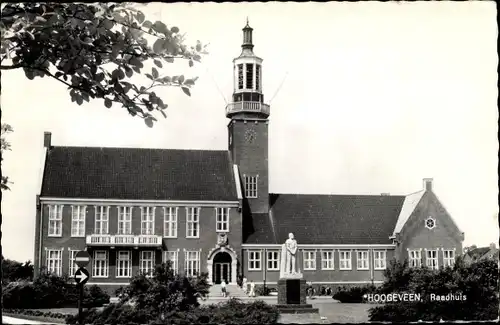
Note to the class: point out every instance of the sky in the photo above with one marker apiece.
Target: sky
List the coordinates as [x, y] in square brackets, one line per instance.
[366, 98]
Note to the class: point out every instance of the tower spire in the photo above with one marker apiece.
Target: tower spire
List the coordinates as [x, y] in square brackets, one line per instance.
[247, 37]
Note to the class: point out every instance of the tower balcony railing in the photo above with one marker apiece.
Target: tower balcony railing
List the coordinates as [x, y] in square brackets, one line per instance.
[247, 107]
[124, 240]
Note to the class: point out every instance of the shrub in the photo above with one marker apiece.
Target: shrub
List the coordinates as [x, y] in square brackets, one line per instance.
[15, 271]
[353, 294]
[50, 291]
[36, 313]
[260, 290]
[477, 282]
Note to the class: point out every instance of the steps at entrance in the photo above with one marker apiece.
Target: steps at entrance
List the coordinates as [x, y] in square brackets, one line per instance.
[233, 291]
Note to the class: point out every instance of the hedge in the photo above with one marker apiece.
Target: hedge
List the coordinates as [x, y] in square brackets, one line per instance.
[477, 282]
[353, 294]
[50, 291]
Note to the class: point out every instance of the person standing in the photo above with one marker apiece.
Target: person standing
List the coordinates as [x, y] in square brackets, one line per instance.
[223, 288]
[252, 289]
[244, 285]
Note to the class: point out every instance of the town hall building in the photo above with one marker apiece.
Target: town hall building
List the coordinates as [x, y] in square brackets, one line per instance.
[213, 211]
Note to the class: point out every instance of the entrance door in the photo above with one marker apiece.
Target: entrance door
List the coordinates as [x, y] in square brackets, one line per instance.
[222, 268]
[222, 271]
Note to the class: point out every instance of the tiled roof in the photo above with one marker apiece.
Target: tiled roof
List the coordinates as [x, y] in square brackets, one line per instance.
[329, 219]
[259, 229]
[138, 174]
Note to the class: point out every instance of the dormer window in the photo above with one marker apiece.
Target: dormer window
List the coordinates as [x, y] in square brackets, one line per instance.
[249, 76]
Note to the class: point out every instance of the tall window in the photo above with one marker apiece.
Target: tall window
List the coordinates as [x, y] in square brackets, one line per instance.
[379, 260]
[254, 260]
[432, 259]
[193, 223]
[100, 264]
[273, 258]
[78, 221]
[101, 220]
[415, 257]
[72, 267]
[170, 222]
[257, 77]
[309, 260]
[147, 262]
[345, 260]
[123, 264]
[249, 76]
[54, 261]
[251, 186]
[449, 257]
[192, 266]
[240, 76]
[55, 220]
[222, 219]
[362, 260]
[173, 257]
[147, 221]
[327, 260]
[125, 221]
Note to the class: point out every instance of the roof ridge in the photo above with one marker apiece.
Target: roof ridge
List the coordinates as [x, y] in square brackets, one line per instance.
[395, 195]
[138, 148]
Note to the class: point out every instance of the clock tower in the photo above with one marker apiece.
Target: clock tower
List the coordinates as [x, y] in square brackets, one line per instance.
[248, 128]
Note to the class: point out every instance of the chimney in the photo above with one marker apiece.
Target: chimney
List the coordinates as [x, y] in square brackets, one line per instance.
[493, 246]
[428, 184]
[47, 140]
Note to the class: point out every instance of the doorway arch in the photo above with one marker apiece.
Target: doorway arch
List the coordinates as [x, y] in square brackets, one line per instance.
[222, 263]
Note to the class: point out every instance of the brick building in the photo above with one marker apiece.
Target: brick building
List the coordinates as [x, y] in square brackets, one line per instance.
[212, 211]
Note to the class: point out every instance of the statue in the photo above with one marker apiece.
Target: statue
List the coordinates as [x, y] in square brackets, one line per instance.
[288, 260]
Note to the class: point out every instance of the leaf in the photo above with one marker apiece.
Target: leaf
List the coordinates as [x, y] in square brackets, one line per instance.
[107, 24]
[174, 29]
[158, 63]
[160, 27]
[181, 79]
[149, 76]
[149, 121]
[147, 24]
[198, 46]
[128, 72]
[169, 59]
[163, 113]
[191, 63]
[140, 17]
[155, 73]
[189, 82]
[158, 46]
[108, 103]
[136, 62]
[186, 91]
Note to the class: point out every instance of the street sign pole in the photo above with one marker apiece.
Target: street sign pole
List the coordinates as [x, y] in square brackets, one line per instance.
[82, 259]
[80, 303]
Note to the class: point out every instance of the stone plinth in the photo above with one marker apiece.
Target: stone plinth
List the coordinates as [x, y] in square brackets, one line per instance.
[291, 291]
[292, 297]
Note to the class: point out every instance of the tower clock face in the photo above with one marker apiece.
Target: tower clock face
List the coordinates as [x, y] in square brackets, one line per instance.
[250, 135]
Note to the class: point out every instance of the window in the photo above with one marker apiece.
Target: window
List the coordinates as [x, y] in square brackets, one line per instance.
[123, 264]
[100, 265]
[362, 260]
[273, 258]
[54, 261]
[415, 257]
[345, 260]
[449, 257]
[257, 77]
[72, 267]
[254, 260]
[249, 76]
[78, 221]
[430, 223]
[379, 259]
[173, 257]
[125, 221]
[170, 222]
[222, 217]
[147, 221]
[147, 262]
[309, 260]
[432, 259]
[240, 76]
[192, 267]
[101, 220]
[251, 186]
[327, 260]
[193, 223]
[55, 220]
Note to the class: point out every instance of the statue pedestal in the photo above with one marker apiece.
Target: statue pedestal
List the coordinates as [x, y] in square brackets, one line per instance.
[292, 297]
